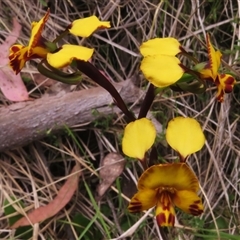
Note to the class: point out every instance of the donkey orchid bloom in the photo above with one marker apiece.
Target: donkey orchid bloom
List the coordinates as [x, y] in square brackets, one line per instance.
[58, 58]
[224, 82]
[185, 136]
[138, 138]
[36, 48]
[160, 66]
[166, 186]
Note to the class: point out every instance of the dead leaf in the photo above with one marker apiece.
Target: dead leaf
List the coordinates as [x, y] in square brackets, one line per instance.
[112, 167]
[58, 203]
[11, 85]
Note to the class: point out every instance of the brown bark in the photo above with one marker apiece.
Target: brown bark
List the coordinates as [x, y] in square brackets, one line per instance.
[22, 123]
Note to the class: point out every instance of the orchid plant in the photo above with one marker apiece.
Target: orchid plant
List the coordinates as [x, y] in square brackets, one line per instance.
[164, 185]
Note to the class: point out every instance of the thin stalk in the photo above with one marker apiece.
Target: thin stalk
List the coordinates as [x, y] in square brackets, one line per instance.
[92, 72]
[62, 35]
[147, 102]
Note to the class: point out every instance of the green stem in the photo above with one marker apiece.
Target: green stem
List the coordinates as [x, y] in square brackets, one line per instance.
[62, 35]
[71, 79]
[185, 53]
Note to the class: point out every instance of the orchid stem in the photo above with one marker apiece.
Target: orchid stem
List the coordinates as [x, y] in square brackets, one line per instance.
[62, 35]
[92, 72]
[185, 53]
[147, 102]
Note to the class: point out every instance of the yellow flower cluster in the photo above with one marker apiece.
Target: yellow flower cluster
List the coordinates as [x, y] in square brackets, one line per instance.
[164, 186]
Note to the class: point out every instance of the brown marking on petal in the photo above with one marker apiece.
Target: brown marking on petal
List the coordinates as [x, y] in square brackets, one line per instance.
[165, 200]
[195, 212]
[165, 213]
[217, 81]
[229, 83]
[194, 208]
[225, 84]
[135, 202]
[210, 63]
[15, 65]
[161, 219]
[228, 88]
[135, 207]
[15, 48]
[230, 80]
[11, 56]
[17, 61]
[171, 219]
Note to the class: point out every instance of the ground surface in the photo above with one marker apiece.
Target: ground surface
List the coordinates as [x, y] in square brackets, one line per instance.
[33, 172]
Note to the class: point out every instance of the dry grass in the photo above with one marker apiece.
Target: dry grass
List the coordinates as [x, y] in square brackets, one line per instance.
[33, 173]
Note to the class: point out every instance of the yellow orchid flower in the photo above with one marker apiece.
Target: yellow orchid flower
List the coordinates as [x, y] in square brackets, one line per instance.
[138, 138]
[37, 47]
[166, 186]
[185, 136]
[160, 66]
[224, 82]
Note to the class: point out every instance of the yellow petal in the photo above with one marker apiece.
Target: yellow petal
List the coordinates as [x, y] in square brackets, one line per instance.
[160, 46]
[138, 138]
[143, 200]
[213, 65]
[189, 202]
[66, 55]
[37, 28]
[165, 213]
[161, 70]
[86, 26]
[206, 73]
[171, 175]
[185, 136]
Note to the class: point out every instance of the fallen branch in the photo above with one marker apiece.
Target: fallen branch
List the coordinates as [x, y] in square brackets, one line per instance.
[24, 122]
